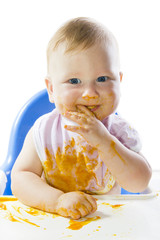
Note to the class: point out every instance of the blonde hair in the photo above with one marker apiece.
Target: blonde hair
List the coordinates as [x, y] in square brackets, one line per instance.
[79, 34]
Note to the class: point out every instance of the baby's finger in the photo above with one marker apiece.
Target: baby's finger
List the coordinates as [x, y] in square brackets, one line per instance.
[92, 201]
[83, 210]
[88, 205]
[86, 110]
[75, 214]
[79, 118]
[63, 212]
[72, 128]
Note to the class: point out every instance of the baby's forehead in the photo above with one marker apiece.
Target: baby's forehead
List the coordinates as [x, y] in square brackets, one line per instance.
[105, 57]
[78, 35]
[107, 46]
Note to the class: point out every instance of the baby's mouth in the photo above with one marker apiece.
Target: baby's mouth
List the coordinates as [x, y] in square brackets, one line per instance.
[93, 107]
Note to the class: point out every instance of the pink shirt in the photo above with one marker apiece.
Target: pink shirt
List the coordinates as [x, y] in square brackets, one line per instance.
[69, 162]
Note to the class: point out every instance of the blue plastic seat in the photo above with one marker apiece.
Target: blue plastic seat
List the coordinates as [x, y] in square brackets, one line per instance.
[37, 106]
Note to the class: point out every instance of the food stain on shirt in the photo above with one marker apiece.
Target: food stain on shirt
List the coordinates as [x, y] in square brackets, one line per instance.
[71, 170]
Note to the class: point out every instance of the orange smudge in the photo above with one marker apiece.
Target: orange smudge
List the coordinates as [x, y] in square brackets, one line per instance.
[87, 97]
[113, 148]
[3, 206]
[76, 225]
[11, 218]
[107, 204]
[55, 215]
[27, 221]
[69, 170]
[31, 211]
[34, 212]
[115, 206]
[6, 199]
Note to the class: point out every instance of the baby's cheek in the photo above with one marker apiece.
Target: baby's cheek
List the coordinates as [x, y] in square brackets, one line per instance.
[70, 97]
[112, 99]
[67, 103]
[116, 99]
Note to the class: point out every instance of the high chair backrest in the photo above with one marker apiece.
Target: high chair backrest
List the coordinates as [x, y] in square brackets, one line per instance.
[34, 108]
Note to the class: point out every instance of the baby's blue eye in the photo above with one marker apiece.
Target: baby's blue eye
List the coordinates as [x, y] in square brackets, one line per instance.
[102, 79]
[74, 81]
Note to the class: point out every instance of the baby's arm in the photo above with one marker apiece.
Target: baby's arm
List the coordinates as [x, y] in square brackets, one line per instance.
[130, 169]
[26, 182]
[28, 186]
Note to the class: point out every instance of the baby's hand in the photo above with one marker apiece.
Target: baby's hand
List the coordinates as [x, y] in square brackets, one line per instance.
[75, 205]
[88, 127]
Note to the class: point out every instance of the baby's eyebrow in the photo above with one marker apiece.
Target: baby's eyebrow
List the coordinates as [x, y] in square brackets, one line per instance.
[69, 75]
[81, 75]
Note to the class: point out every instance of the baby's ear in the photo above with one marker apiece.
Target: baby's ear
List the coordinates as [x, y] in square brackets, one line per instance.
[49, 86]
[121, 76]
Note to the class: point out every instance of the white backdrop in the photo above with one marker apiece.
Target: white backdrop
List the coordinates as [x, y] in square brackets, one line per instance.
[27, 26]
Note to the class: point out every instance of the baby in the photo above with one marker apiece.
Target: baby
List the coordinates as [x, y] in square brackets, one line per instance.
[82, 147]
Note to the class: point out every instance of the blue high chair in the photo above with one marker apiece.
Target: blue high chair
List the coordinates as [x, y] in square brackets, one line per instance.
[37, 106]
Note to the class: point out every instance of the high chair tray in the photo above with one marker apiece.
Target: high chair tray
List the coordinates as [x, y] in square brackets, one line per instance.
[130, 217]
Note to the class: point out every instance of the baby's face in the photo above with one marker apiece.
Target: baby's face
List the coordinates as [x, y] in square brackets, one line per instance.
[90, 78]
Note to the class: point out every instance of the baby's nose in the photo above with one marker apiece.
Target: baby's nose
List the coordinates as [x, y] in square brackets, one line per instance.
[90, 93]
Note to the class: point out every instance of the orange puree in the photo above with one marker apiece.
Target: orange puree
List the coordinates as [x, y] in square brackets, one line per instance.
[34, 212]
[30, 211]
[113, 206]
[11, 218]
[117, 206]
[2, 206]
[27, 221]
[76, 225]
[21, 218]
[9, 198]
[114, 149]
[71, 170]
[87, 97]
